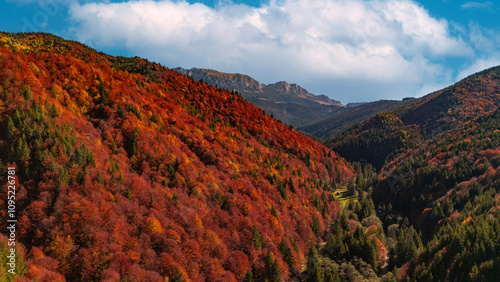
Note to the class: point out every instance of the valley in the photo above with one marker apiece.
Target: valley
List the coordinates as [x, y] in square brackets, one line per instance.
[127, 170]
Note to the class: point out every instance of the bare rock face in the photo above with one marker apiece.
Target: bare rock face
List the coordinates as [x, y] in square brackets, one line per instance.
[286, 88]
[246, 84]
[229, 81]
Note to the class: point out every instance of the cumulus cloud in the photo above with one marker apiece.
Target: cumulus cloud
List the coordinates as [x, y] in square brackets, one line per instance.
[349, 50]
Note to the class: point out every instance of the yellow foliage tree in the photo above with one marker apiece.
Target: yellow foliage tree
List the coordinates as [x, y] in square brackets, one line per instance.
[152, 225]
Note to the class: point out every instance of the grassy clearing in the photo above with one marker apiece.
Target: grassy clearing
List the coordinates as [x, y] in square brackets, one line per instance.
[344, 196]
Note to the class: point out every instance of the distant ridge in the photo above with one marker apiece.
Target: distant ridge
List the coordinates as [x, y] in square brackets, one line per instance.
[229, 81]
[414, 120]
[350, 115]
[287, 102]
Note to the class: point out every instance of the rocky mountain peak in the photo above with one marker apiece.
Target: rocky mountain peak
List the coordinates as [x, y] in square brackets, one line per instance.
[229, 81]
[288, 102]
[287, 88]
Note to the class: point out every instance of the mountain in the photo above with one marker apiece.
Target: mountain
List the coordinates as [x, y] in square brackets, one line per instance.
[289, 103]
[448, 188]
[349, 116]
[407, 125]
[439, 176]
[126, 170]
[231, 82]
[316, 115]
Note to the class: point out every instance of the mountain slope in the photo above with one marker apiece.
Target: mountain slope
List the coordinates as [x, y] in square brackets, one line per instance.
[289, 103]
[130, 171]
[350, 116]
[449, 189]
[458, 104]
[439, 174]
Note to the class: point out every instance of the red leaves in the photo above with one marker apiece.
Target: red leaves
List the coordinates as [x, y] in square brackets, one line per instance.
[238, 264]
[177, 181]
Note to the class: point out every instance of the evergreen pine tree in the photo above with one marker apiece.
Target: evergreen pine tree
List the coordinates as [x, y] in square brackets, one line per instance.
[249, 276]
[272, 268]
[286, 253]
[257, 239]
[314, 270]
[332, 276]
[10, 128]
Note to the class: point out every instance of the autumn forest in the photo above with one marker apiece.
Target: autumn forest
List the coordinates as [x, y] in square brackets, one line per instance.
[126, 170]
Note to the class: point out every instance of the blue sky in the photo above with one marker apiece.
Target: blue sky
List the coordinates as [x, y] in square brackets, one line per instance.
[350, 50]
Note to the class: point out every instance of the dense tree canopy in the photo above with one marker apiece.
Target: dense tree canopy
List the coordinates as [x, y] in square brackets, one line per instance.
[128, 169]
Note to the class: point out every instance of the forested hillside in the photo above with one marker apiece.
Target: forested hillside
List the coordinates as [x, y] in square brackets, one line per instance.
[439, 171]
[448, 187]
[347, 117]
[128, 170]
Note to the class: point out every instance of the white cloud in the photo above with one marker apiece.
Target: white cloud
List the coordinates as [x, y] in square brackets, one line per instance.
[483, 39]
[376, 48]
[419, 30]
[477, 5]
[485, 42]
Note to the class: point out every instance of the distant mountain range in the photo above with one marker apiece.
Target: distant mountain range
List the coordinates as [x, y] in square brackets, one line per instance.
[382, 135]
[349, 116]
[316, 115]
[287, 102]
